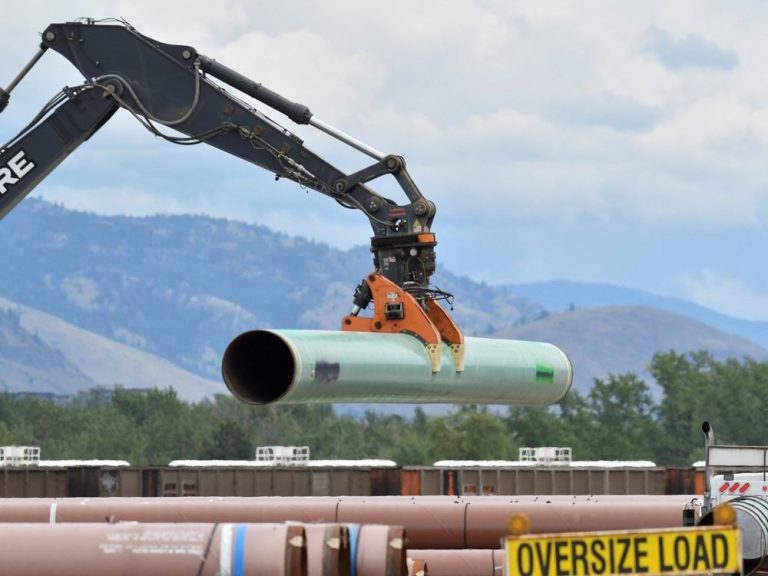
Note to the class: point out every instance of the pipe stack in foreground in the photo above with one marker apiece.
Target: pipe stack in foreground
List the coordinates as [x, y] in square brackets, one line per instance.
[341, 535]
[432, 522]
[127, 549]
[158, 549]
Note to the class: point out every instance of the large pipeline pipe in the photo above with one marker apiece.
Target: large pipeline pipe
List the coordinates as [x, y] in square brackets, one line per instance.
[157, 549]
[460, 562]
[360, 550]
[432, 522]
[482, 522]
[291, 366]
[380, 550]
[202, 549]
[328, 552]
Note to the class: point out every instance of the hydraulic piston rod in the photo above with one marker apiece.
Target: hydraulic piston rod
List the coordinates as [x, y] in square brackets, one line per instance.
[6, 94]
[295, 111]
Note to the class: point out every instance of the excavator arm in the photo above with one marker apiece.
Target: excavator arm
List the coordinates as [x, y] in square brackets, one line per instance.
[31, 156]
[170, 90]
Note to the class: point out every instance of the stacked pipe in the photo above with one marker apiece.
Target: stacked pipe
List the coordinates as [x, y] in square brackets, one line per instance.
[456, 562]
[445, 535]
[439, 522]
[266, 549]
[128, 549]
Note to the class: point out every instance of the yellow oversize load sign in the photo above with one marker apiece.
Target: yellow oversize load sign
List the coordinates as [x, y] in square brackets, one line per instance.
[705, 549]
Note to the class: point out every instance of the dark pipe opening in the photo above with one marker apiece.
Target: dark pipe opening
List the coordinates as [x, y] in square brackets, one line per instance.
[258, 367]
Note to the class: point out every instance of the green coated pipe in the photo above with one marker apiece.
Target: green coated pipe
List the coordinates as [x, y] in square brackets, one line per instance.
[294, 366]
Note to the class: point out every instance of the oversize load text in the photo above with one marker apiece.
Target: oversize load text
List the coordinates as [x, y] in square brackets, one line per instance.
[684, 551]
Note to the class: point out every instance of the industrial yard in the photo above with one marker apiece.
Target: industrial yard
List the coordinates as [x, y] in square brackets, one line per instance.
[386, 519]
[205, 373]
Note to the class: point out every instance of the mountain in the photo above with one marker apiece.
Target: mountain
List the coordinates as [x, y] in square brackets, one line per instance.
[619, 339]
[562, 295]
[42, 354]
[96, 300]
[182, 287]
[27, 363]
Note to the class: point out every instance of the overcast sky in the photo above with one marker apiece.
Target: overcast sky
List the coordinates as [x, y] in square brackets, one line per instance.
[597, 141]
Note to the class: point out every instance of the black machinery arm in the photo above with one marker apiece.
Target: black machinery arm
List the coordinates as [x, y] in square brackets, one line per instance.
[30, 157]
[170, 86]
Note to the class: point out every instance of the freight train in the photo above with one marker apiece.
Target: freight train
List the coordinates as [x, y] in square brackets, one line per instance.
[347, 478]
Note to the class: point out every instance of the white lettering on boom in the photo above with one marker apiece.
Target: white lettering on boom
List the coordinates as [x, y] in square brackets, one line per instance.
[14, 170]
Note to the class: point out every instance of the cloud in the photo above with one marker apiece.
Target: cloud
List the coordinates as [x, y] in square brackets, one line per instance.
[606, 109]
[343, 84]
[690, 52]
[554, 139]
[726, 294]
[111, 200]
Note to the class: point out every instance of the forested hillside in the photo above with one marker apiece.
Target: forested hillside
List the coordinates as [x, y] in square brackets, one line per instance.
[181, 287]
[26, 358]
[617, 419]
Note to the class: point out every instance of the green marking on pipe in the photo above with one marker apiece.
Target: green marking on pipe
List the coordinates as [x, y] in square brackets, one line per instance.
[545, 374]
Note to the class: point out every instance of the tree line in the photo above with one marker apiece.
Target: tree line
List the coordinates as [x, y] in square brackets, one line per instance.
[622, 417]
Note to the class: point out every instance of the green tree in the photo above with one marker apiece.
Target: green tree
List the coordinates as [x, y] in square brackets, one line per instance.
[568, 423]
[690, 396]
[5, 434]
[623, 418]
[468, 433]
[229, 440]
[413, 447]
[534, 426]
[381, 432]
[170, 429]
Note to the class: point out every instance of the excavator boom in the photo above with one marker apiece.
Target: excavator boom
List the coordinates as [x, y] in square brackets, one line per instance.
[28, 160]
[169, 89]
